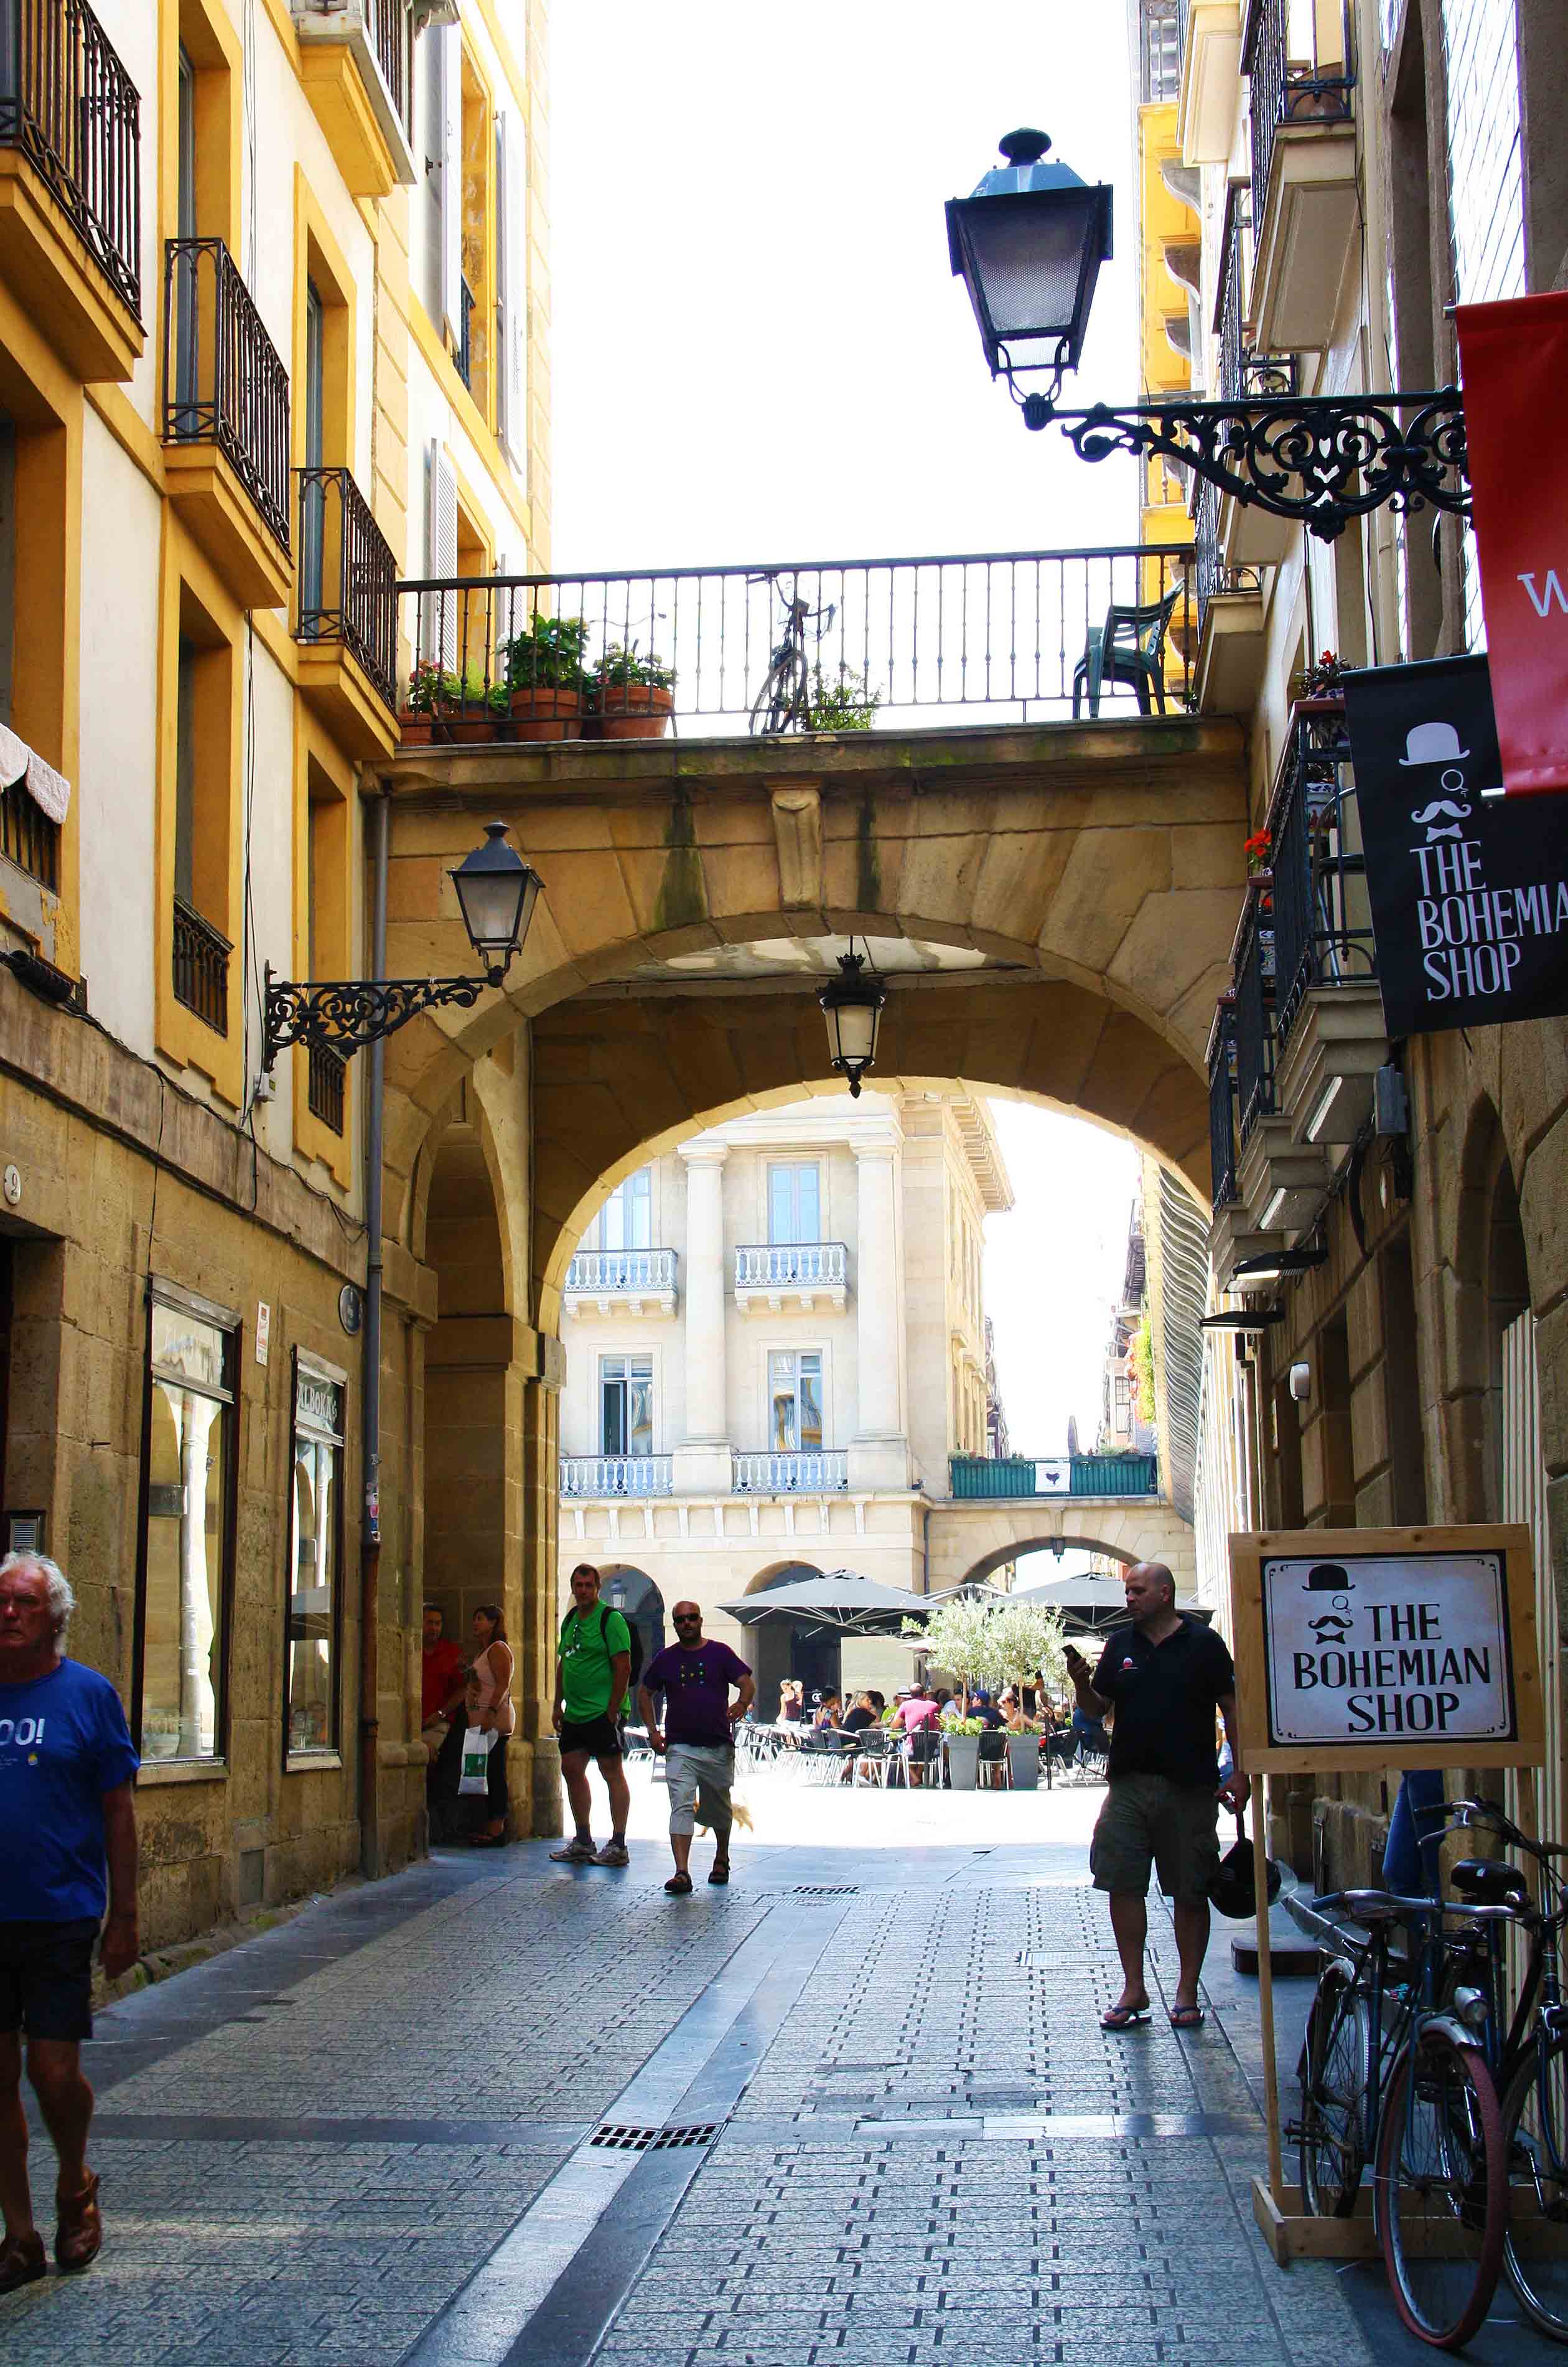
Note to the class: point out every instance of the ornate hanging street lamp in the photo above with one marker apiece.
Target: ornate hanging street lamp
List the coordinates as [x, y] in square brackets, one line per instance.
[1028, 246]
[496, 894]
[851, 1004]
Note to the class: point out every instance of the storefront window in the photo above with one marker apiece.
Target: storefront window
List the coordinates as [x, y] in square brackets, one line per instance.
[315, 1551]
[187, 1546]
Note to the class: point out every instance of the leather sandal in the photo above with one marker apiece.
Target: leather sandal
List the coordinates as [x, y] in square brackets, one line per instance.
[22, 2262]
[720, 1874]
[78, 2238]
[679, 1885]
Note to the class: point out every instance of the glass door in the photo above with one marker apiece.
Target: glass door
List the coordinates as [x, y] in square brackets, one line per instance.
[626, 1399]
[313, 493]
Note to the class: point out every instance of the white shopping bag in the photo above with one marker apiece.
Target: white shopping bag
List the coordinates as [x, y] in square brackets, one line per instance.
[475, 1762]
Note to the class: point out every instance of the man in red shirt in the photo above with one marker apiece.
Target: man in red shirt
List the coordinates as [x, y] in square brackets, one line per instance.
[917, 1714]
[441, 1669]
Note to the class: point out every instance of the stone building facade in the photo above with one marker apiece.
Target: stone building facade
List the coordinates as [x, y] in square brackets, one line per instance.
[256, 362]
[1347, 175]
[775, 1339]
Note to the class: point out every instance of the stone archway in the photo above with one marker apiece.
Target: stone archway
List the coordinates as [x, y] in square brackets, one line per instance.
[969, 1539]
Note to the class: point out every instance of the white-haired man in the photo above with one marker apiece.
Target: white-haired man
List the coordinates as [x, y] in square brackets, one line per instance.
[67, 1850]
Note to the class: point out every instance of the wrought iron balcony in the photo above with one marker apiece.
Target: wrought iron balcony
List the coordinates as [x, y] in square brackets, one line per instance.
[1323, 930]
[28, 837]
[201, 966]
[1213, 577]
[617, 1475]
[224, 383]
[347, 576]
[988, 640]
[390, 22]
[818, 1471]
[1245, 375]
[327, 1070]
[466, 338]
[1253, 973]
[68, 103]
[1222, 1104]
[1289, 88]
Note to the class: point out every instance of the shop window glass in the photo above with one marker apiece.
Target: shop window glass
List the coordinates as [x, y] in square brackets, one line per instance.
[187, 1537]
[310, 1671]
[794, 1379]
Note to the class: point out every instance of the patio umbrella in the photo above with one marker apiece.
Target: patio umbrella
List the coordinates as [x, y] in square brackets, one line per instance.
[1091, 1604]
[845, 1601]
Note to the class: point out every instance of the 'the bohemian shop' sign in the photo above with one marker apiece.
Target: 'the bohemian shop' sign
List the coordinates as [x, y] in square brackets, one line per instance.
[1469, 891]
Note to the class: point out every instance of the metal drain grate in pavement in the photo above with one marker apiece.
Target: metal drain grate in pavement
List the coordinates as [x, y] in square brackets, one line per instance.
[826, 1890]
[618, 2137]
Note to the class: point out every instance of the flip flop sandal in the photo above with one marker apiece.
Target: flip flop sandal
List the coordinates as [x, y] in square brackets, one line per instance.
[1124, 2016]
[1187, 2016]
[720, 1870]
[678, 1885]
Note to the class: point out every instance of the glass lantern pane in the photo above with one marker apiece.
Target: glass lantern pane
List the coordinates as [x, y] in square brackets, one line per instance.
[1029, 259]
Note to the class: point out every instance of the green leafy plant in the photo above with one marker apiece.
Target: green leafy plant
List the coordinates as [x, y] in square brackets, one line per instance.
[1143, 1355]
[433, 686]
[1026, 1637]
[959, 1635]
[550, 656]
[619, 667]
[951, 1725]
[847, 704]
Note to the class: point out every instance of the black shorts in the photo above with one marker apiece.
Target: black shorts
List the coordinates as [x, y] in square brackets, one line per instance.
[46, 1978]
[597, 1736]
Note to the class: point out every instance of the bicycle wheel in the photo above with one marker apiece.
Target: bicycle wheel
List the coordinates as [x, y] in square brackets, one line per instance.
[1534, 2130]
[781, 700]
[1442, 2188]
[1333, 2095]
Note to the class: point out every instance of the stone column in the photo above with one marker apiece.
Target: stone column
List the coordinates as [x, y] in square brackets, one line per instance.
[702, 1462]
[879, 1451]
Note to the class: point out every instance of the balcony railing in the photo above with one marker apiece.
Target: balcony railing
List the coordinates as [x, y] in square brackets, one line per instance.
[988, 640]
[69, 105]
[1212, 576]
[28, 837]
[201, 966]
[1323, 931]
[816, 1472]
[466, 338]
[224, 383]
[791, 1265]
[621, 1271]
[980, 1475]
[389, 23]
[617, 1475]
[1289, 88]
[1222, 1104]
[1246, 376]
[347, 575]
[1253, 973]
[324, 1092]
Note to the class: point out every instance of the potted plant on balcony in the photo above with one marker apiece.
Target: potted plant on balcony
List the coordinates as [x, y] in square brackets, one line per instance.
[546, 680]
[633, 695]
[478, 709]
[433, 689]
[1319, 688]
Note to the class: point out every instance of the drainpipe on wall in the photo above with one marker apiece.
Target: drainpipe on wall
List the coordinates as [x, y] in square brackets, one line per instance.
[370, 1391]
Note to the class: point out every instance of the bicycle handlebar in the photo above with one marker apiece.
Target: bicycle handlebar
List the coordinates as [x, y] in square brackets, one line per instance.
[1487, 1812]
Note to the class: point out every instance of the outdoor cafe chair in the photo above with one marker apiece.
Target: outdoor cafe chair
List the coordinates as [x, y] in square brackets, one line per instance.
[1129, 647]
[991, 1771]
[876, 1752]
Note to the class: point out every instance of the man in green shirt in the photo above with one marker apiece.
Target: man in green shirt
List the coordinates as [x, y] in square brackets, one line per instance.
[594, 1668]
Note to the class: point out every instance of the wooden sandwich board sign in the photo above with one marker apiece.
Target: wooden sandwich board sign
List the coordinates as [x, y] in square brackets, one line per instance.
[1372, 1649]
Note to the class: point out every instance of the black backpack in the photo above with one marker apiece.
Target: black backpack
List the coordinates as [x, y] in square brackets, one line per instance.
[633, 1631]
[1233, 1889]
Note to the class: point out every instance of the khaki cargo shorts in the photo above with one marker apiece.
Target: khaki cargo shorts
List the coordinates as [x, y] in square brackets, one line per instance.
[1148, 1819]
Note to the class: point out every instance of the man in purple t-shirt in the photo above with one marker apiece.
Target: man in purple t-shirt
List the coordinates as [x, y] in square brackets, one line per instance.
[697, 1738]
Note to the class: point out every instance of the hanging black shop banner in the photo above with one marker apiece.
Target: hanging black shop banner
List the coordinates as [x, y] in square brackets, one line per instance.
[1469, 891]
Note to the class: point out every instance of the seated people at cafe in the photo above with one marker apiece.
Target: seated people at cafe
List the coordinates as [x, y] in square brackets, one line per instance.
[826, 1717]
[917, 1714]
[863, 1715]
[1015, 1717]
[982, 1706]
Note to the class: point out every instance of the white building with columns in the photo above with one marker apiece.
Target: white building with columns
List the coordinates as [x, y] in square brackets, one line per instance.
[774, 1341]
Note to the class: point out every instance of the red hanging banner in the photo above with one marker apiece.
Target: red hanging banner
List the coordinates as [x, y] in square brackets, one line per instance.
[1515, 360]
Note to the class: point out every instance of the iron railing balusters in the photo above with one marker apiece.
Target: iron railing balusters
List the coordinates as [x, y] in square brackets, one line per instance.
[69, 105]
[351, 600]
[239, 399]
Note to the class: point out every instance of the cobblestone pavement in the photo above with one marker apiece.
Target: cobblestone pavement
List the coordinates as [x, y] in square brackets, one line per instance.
[856, 2108]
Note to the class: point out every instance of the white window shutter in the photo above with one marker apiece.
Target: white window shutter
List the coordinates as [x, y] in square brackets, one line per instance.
[438, 625]
[511, 213]
[449, 100]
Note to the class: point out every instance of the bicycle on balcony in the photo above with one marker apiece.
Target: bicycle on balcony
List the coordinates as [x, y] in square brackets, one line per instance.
[783, 703]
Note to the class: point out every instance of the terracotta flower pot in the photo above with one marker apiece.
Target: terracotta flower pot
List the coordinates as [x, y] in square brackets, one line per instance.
[539, 711]
[415, 730]
[465, 729]
[634, 710]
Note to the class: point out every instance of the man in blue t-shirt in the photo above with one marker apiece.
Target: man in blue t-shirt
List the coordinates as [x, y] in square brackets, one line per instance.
[697, 1739]
[67, 1850]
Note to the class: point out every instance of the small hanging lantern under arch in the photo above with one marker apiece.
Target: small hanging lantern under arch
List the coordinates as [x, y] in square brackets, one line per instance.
[851, 1004]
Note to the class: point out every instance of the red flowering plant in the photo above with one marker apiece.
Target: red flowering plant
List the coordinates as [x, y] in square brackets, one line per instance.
[1323, 679]
[1256, 850]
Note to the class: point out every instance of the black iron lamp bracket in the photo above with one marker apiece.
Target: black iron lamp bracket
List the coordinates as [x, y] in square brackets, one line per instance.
[341, 1015]
[1321, 460]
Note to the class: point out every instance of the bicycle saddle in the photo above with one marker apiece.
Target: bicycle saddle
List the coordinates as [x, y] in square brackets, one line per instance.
[1491, 1883]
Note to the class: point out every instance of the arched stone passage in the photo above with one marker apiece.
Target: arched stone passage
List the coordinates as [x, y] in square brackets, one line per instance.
[634, 1594]
[999, 1556]
[970, 1539]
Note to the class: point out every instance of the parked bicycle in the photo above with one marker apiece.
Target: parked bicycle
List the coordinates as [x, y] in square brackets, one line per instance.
[1393, 2074]
[783, 703]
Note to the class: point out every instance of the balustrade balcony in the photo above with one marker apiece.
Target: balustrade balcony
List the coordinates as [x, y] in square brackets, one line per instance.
[617, 1475]
[354, 62]
[226, 421]
[1230, 617]
[201, 966]
[815, 1471]
[771, 1275]
[1013, 1475]
[70, 185]
[1222, 1104]
[1248, 537]
[621, 1282]
[28, 837]
[326, 1072]
[1300, 66]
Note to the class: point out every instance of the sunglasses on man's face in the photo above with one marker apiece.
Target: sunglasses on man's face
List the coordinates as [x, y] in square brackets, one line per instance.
[688, 1618]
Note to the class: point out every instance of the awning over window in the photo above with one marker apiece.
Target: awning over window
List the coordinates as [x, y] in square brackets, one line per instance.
[48, 790]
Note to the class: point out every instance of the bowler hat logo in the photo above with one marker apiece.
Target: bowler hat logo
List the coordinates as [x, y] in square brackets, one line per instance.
[1432, 744]
[1328, 1577]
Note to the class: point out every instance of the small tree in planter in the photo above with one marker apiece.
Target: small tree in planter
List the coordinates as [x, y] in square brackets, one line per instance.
[546, 679]
[634, 694]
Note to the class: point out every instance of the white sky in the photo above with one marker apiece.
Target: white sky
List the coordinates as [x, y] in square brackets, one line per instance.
[759, 354]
